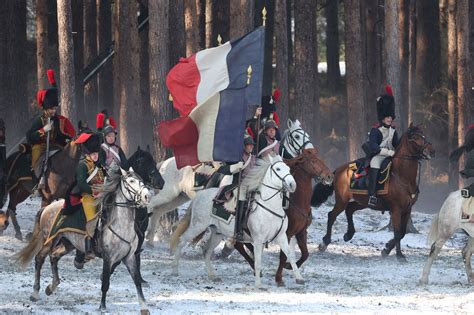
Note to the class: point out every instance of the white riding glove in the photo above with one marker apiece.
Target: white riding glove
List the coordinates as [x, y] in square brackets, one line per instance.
[386, 152]
[48, 127]
[234, 168]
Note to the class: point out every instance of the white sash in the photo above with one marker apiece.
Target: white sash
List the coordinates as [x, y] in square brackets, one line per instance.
[247, 162]
[268, 147]
[91, 176]
[107, 148]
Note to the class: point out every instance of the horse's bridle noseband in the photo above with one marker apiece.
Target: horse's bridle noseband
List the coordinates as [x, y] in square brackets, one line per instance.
[135, 202]
[293, 144]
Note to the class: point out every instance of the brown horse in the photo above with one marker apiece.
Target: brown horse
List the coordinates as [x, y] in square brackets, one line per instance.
[304, 168]
[402, 191]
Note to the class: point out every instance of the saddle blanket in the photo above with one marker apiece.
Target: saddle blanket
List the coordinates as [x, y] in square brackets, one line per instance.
[73, 222]
[224, 204]
[359, 179]
[467, 214]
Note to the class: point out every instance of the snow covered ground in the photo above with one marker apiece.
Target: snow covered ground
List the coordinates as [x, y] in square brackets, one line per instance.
[348, 278]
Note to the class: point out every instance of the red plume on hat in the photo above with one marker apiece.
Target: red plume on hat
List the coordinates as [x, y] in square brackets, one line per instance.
[51, 79]
[388, 90]
[276, 95]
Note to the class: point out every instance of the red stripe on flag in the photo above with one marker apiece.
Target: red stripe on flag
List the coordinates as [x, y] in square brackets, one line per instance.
[182, 136]
[183, 81]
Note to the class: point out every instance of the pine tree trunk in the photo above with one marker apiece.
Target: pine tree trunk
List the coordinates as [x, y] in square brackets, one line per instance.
[191, 22]
[412, 63]
[158, 48]
[104, 40]
[404, 55]
[178, 40]
[241, 17]
[463, 76]
[220, 22]
[354, 79]
[146, 129]
[41, 43]
[452, 92]
[281, 54]
[3, 64]
[78, 42]
[392, 56]
[332, 47]
[201, 16]
[90, 53]
[128, 51]
[66, 60]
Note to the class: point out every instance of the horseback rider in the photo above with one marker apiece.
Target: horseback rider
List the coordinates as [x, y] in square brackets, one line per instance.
[267, 142]
[89, 177]
[59, 128]
[247, 162]
[110, 152]
[382, 142]
[266, 112]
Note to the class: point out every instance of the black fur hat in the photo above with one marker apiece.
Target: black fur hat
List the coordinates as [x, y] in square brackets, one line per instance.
[386, 104]
[92, 144]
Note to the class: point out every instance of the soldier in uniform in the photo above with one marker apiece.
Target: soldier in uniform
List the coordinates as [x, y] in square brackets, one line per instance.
[109, 151]
[89, 177]
[58, 127]
[103, 119]
[247, 162]
[267, 142]
[383, 140]
[266, 112]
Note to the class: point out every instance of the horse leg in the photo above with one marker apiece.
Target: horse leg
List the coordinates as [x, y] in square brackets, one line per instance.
[466, 254]
[282, 240]
[240, 248]
[396, 222]
[350, 209]
[400, 234]
[332, 215]
[39, 261]
[11, 212]
[106, 273]
[55, 256]
[279, 273]
[434, 252]
[258, 252]
[132, 268]
[211, 244]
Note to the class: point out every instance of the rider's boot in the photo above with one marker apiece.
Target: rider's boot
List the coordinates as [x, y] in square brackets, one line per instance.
[239, 218]
[373, 173]
[88, 248]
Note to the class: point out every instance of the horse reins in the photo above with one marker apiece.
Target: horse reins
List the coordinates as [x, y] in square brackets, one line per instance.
[290, 140]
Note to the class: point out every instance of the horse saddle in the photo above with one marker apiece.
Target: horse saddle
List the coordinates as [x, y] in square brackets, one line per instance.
[225, 201]
[202, 174]
[38, 169]
[359, 179]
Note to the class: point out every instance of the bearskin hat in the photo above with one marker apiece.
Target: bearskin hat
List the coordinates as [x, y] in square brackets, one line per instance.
[386, 104]
[270, 124]
[48, 98]
[90, 142]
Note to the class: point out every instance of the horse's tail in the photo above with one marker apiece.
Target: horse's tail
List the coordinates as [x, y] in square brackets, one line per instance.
[456, 154]
[24, 257]
[321, 193]
[433, 234]
[183, 225]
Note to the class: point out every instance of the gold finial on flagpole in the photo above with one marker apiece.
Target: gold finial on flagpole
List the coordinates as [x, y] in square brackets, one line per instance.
[264, 15]
[170, 97]
[219, 40]
[249, 74]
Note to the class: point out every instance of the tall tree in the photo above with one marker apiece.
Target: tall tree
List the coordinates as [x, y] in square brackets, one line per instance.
[332, 46]
[159, 39]
[241, 17]
[78, 41]
[42, 42]
[146, 120]
[306, 91]
[269, 6]
[281, 55]
[104, 40]
[412, 62]
[66, 60]
[404, 55]
[428, 47]
[452, 91]
[178, 43]
[128, 52]
[217, 17]
[90, 53]
[354, 79]
[191, 21]
[392, 58]
[464, 103]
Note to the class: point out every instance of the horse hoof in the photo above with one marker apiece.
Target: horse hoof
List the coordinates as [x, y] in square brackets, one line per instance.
[300, 281]
[19, 237]
[347, 237]
[215, 279]
[422, 283]
[385, 252]
[48, 290]
[322, 247]
[80, 265]
[29, 236]
[144, 312]
[288, 266]
[402, 259]
[102, 309]
[34, 297]
[280, 284]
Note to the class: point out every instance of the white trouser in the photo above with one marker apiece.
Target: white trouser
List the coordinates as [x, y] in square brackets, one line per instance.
[377, 160]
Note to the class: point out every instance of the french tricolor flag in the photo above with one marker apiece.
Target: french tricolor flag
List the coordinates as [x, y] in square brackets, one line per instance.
[211, 90]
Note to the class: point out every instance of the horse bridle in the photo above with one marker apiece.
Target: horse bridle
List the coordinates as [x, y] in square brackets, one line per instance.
[420, 156]
[135, 202]
[293, 144]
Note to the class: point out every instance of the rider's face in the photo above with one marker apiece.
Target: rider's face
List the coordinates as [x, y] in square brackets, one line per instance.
[51, 112]
[387, 120]
[94, 156]
[110, 138]
[271, 132]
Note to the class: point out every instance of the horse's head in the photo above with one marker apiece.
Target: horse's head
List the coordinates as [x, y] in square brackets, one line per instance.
[134, 188]
[418, 145]
[295, 139]
[3, 221]
[309, 162]
[145, 166]
[280, 174]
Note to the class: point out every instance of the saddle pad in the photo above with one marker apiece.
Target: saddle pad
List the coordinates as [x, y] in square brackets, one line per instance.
[358, 185]
[219, 212]
[467, 207]
[74, 222]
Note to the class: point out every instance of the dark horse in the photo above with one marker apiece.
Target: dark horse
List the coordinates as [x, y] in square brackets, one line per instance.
[402, 191]
[304, 168]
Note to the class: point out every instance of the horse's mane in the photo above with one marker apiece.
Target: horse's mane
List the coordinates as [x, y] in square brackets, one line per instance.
[109, 188]
[141, 154]
[254, 177]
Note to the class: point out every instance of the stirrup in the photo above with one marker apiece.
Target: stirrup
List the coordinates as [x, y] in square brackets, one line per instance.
[372, 201]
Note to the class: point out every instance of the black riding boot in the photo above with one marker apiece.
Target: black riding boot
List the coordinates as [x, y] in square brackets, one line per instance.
[88, 245]
[239, 217]
[373, 173]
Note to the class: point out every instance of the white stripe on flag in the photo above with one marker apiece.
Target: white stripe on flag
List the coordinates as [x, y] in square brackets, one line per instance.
[205, 117]
[212, 66]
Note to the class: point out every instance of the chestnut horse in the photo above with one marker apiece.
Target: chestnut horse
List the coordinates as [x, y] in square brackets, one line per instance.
[402, 191]
[304, 168]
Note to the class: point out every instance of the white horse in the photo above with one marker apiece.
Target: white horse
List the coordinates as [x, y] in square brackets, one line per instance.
[444, 224]
[267, 221]
[179, 183]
